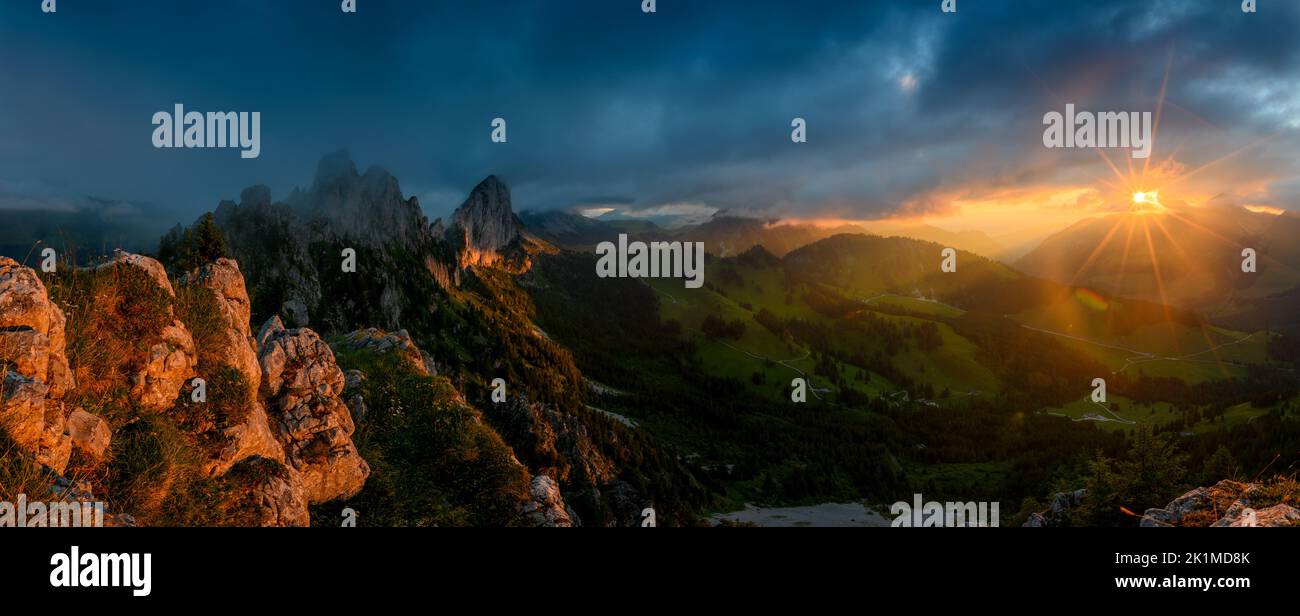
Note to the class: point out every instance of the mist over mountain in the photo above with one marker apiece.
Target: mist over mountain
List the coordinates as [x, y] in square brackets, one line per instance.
[84, 226]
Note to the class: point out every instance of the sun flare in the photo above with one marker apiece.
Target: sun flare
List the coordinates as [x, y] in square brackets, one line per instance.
[1147, 201]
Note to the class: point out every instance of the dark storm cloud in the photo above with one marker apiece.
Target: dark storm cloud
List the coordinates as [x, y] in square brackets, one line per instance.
[690, 105]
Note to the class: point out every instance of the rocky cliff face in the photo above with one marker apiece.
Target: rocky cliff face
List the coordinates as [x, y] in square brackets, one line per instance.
[292, 251]
[367, 209]
[234, 342]
[485, 230]
[35, 369]
[291, 447]
[447, 288]
[304, 386]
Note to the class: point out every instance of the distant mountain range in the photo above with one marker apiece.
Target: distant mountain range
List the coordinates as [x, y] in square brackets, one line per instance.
[1189, 257]
[84, 227]
[727, 235]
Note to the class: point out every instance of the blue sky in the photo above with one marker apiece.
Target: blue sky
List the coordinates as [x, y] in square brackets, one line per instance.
[910, 111]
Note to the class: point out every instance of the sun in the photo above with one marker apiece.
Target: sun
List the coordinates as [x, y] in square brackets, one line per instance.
[1147, 200]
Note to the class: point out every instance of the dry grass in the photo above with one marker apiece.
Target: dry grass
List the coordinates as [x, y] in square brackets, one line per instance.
[114, 316]
[153, 470]
[1280, 489]
[19, 474]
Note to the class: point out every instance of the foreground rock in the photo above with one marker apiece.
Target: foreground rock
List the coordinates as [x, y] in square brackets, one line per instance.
[236, 345]
[1058, 514]
[398, 343]
[34, 371]
[266, 493]
[303, 386]
[168, 366]
[1227, 503]
[150, 266]
[546, 507]
[170, 362]
[252, 438]
[90, 434]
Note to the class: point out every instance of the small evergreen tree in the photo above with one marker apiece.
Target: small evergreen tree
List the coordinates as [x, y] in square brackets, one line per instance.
[183, 250]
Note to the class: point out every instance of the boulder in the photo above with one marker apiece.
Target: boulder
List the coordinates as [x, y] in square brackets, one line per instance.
[1280, 515]
[33, 364]
[148, 265]
[303, 386]
[1224, 504]
[268, 494]
[398, 343]
[22, 410]
[168, 366]
[32, 328]
[545, 506]
[236, 345]
[90, 435]
[252, 438]
[1058, 512]
[24, 302]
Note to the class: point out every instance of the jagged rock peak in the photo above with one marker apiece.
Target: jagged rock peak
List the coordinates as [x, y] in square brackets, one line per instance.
[487, 211]
[369, 209]
[485, 225]
[333, 168]
[255, 196]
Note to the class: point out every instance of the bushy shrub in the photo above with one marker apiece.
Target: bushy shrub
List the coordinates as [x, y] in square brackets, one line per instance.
[229, 401]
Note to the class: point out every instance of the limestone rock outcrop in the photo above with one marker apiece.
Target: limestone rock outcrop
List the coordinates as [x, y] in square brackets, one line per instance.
[1059, 512]
[485, 231]
[269, 494]
[148, 265]
[236, 345]
[546, 507]
[90, 434]
[303, 385]
[252, 438]
[34, 367]
[1227, 503]
[167, 367]
[398, 343]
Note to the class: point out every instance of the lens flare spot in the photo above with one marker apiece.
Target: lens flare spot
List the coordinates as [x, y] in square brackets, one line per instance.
[1091, 299]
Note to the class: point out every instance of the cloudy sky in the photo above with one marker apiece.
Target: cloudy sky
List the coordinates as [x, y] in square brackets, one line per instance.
[910, 111]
